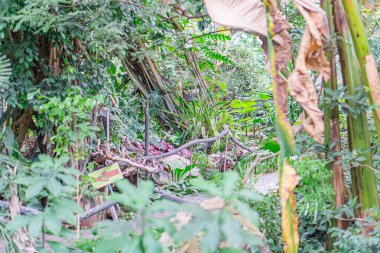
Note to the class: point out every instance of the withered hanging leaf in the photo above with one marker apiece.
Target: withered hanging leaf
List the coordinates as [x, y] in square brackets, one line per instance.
[280, 36]
[289, 222]
[311, 56]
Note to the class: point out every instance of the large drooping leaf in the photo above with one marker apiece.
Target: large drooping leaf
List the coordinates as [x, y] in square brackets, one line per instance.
[273, 29]
[311, 56]
[251, 14]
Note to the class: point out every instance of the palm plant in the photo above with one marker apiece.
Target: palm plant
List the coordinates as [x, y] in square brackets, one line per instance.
[200, 119]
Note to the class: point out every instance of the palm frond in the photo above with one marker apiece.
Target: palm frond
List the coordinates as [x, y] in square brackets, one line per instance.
[5, 69]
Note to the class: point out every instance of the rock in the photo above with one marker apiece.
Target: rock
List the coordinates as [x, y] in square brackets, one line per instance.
[266, 183]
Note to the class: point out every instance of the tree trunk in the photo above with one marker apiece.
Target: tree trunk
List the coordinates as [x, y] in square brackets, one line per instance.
[366, 59]
[331, 118]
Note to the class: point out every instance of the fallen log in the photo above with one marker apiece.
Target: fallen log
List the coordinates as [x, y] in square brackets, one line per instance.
[134, 164]
[189, 144]
[235, 140]
[23, 210]
[97, 209]
[170, 196]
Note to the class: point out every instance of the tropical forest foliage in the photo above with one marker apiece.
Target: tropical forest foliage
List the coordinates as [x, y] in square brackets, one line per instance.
[189, 126]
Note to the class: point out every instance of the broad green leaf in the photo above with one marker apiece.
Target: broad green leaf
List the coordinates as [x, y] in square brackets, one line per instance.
[52, 221]
[272, 146]
[212, 238]
[248, 213]
[231, 230]
[34, 189]
[58, 247]
[54, 187]
[18, 222]
[250, 195]
[208, 187]
[149, 243]
[230, 180]
[9, 140]
[70, 205]
[112, 245]
[35, 225]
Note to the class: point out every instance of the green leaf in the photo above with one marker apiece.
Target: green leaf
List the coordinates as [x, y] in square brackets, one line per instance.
[272, 146]
[35, 225]
[211, 239]
[9, 140]
[58, 247]
[189, 231]
[247, 212]
[70, 205]
[18, 222]
[52, 221]
[131, 196]
[230, 180]
[54, 187]
[112, 245]
[206, 186]
[34, 189]
[264, 96]
[231, 230]
[250, 195]
[150, 243]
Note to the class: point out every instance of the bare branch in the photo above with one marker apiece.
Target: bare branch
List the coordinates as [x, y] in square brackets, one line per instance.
[189, 144]
[235, 140]
[134, 164]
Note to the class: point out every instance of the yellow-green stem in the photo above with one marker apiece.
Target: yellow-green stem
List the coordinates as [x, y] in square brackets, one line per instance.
[366, 59]
[363, 177]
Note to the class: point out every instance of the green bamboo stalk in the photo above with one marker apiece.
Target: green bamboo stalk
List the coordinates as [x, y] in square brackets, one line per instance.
[331, 119]
[366, 59]
[287, 175]
[363, 178]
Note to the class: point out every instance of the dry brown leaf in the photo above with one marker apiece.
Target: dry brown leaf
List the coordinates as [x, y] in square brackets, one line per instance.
[289, 222]
[213, 203]
[311, 56]
[374, 81]
[252, 229]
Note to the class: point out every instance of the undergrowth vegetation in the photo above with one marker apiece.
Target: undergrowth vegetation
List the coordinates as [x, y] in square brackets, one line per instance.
[166, 126]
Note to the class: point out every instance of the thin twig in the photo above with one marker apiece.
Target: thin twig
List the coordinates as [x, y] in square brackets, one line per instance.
[225, 157]
[257, 160]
